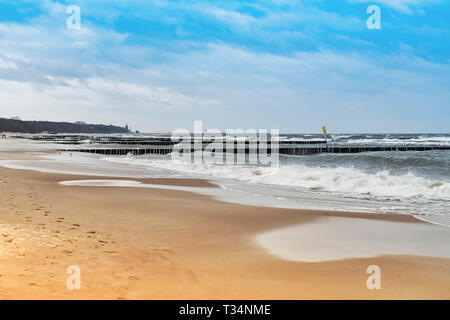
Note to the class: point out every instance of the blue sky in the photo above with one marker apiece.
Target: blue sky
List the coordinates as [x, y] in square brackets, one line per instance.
[288, 64]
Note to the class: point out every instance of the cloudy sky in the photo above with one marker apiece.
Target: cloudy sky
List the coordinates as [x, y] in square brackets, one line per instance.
[294, 65]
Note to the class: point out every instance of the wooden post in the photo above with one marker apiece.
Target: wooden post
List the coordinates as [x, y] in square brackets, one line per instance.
[324, 130]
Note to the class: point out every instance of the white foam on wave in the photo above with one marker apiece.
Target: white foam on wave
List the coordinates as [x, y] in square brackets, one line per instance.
[126, 184]
[80, 164]
[421, 140]
[346, 180]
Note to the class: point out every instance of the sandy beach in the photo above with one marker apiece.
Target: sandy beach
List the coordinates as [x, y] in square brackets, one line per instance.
[147, 243]
[225, 150]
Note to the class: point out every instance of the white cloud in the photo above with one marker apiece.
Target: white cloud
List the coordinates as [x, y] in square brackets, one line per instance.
[93, 100]
[405, 6]
[229, 16]
[52, 73]
[231, 87]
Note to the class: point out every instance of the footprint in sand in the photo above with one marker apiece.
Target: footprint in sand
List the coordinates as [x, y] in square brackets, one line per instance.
[163, 249]
[162, 259]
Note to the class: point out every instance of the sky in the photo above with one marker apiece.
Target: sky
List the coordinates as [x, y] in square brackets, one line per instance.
[292, 65]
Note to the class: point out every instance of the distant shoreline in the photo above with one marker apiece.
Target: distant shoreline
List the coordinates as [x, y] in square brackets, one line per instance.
[50, 127]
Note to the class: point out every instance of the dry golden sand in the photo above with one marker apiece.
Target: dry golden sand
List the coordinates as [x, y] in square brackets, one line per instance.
[136, 243]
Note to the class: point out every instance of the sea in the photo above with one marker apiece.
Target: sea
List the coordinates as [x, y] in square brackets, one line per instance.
[405, 182]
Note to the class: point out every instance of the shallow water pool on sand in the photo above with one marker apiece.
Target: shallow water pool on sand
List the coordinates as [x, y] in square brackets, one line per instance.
[335, 238]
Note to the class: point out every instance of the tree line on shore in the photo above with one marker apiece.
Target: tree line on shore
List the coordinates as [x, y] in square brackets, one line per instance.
[19, 126]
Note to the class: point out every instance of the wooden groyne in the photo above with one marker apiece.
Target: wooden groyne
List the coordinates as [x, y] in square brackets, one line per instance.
[164, 144]
[283, 149]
